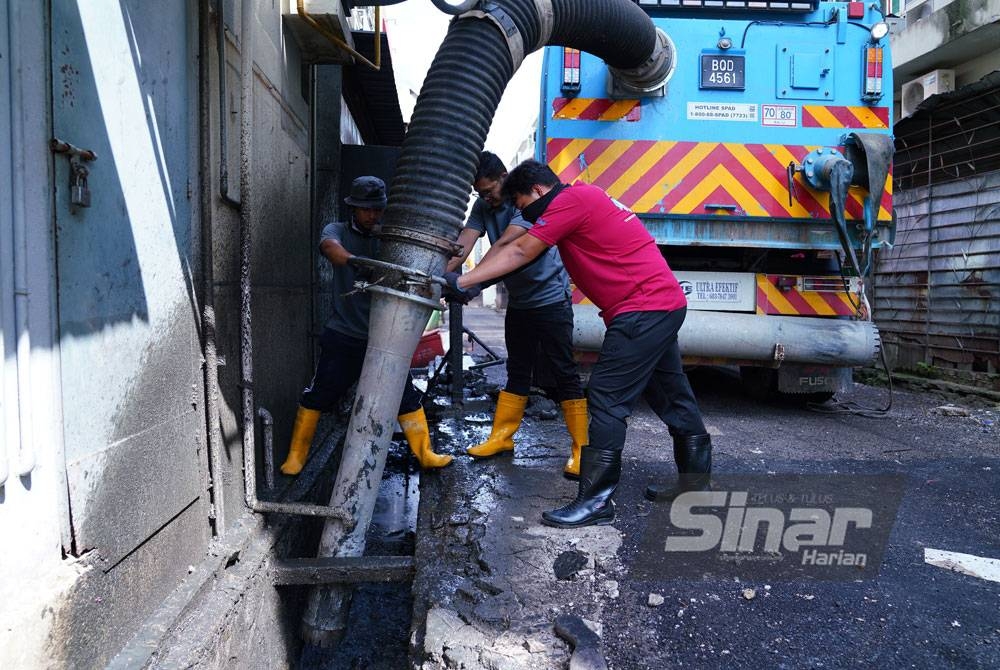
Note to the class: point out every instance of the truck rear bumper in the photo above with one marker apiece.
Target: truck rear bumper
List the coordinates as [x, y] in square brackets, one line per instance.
[769, 340]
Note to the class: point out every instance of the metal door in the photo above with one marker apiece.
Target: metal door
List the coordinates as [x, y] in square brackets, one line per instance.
[122, 79]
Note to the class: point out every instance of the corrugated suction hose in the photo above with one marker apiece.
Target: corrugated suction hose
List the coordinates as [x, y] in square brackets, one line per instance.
[459, 98]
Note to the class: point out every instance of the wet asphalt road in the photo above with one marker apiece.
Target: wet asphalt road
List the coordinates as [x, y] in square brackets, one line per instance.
[910, 615]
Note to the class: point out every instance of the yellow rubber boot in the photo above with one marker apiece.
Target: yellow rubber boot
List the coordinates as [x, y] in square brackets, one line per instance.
[414, 426]
[302, 437]
[506, 421]
[575, 413]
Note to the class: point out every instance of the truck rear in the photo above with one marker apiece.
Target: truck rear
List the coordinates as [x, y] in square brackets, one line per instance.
[762, 168]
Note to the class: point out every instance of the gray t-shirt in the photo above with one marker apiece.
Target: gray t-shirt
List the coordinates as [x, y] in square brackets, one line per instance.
[540, 283]
[350, 309]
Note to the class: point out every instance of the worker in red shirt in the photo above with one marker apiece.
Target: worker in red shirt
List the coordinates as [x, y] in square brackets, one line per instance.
[613, 259]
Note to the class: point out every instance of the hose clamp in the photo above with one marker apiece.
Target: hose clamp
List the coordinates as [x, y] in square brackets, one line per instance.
[546, 21]
[421, 239]
[502, 20]
[400, 281]
[402, 295]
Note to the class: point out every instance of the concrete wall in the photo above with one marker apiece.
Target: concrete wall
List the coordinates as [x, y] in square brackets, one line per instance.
[951, 35]
[281, 237]
[112, 396]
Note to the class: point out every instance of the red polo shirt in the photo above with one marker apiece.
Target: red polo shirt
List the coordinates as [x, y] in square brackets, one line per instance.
[608, 252]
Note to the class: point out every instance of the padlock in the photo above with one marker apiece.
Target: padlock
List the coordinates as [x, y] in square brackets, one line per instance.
[79, 193]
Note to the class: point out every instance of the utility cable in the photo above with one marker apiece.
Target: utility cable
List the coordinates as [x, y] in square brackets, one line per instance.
[857, 409]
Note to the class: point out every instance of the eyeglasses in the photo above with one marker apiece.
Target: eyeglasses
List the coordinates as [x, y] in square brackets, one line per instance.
[486, 193]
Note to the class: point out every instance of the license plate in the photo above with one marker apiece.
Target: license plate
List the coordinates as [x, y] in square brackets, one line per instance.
[725, 71]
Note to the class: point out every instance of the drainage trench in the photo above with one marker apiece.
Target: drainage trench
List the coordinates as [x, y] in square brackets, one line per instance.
[380, 616]
[380, 613]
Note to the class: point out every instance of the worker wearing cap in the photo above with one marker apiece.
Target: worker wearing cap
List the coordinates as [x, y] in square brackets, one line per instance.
[538, 326]
[345, 337]
[615, 261]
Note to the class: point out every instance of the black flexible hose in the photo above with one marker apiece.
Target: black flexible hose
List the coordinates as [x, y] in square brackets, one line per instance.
[458, 100]
[619, 32]
[455, 9]
[841, 174]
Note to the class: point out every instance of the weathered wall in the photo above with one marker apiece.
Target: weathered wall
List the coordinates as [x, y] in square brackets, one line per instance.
[962, 34]
[118, 505]
[937, 291]
[282, 240]
[330, 115]
[33, 574]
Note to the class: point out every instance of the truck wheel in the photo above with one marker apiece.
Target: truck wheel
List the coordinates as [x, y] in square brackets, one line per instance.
[761, 384]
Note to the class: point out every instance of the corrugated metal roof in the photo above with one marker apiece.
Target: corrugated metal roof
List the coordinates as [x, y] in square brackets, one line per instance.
[951, 136]
[371, 96]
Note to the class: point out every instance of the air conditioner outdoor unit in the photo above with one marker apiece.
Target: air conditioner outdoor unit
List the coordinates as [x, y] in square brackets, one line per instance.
[917, 90]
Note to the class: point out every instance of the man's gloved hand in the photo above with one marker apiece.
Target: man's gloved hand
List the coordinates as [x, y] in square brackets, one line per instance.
[362, 271]
[462, 295]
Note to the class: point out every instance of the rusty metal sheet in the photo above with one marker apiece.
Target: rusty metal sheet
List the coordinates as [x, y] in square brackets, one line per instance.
[939, 287]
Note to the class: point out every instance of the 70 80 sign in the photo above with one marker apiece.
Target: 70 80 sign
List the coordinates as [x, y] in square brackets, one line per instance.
[778, 115]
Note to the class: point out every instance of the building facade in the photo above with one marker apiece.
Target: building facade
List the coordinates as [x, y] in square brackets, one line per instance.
[169, 169]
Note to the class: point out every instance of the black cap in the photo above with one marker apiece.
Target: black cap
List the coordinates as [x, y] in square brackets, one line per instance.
[367, 192]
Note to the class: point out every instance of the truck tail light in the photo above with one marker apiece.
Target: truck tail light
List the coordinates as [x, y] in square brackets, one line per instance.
[571, 71]
[873, 74]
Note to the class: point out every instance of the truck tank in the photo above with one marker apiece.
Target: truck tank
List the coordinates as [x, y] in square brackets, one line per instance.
[762, 168]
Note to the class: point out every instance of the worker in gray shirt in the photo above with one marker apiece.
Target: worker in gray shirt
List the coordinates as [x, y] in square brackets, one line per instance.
[345, 337]
[539, 319]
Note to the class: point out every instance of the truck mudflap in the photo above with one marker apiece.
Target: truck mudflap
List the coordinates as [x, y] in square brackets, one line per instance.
[751, 338]
[813, 379]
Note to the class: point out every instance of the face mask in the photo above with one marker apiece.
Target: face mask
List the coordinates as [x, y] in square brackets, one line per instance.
[533, 211]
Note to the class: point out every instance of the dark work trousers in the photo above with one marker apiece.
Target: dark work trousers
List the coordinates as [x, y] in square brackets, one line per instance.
[639, 357]
[341, 358]
[542, 333]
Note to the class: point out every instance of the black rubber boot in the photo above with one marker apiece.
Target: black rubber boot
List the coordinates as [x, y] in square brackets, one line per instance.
[600, 470]
[693, 454]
